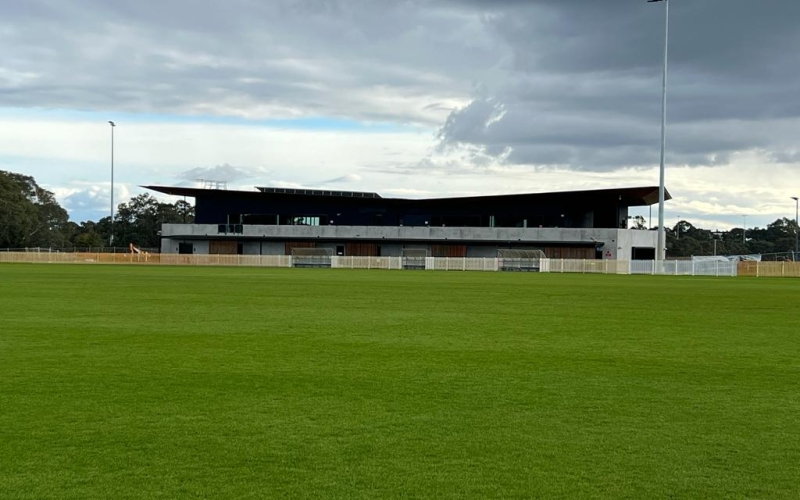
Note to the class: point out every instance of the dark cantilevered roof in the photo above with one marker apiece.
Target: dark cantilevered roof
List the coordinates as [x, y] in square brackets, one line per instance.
[631, 196]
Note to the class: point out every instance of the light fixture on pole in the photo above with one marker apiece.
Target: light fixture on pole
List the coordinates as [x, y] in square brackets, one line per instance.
[111, 237]
[796, 227]
[715, 236]
[661, 247]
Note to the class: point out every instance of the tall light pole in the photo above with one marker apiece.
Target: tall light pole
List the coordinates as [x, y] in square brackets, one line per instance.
[744, 229]
[796, 227]
[111, 237]
[661, 249]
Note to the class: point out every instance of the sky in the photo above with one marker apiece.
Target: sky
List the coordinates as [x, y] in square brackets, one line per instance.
[407, 98]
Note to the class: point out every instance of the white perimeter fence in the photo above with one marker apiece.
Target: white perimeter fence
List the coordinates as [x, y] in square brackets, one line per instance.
[669, 267]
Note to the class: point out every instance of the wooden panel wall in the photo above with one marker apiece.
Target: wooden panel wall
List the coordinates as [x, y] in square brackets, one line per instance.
[361, 249]
[448, 250]
[226, 247]
[569, 252]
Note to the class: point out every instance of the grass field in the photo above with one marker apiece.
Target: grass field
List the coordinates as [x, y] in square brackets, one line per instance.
[176, 382]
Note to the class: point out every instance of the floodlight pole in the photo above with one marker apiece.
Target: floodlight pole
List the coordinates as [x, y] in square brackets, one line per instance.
[796, 226]
[111, 237]
[661, 243]
[744, 229]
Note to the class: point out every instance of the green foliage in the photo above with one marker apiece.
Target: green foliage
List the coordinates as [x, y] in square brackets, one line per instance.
[168, 382]
[685, 240]
[31, 217]
[29, 214]
[88, 234]
[139, 220]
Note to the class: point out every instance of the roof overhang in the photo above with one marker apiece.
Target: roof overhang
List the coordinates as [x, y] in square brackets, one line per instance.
[631, 196]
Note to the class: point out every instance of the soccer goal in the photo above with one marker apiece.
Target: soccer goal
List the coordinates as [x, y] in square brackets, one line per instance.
[414, 258]
[311, 257]
[512, 259]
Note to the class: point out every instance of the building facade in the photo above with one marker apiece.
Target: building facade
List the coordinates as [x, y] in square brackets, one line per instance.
[273, 221]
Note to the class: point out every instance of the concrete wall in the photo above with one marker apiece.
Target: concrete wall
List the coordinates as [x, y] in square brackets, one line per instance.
[251, 248]
[349, 233]
[170, 245]
[627, 239]
[616, 243]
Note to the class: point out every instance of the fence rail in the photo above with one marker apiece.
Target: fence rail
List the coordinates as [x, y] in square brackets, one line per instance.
[588, 266]
[770, 269]
[123, 250]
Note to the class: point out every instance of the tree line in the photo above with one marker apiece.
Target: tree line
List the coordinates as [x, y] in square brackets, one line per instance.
[685, 240]
[31, 217]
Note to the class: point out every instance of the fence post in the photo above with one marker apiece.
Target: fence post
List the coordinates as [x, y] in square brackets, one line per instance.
[653, 268]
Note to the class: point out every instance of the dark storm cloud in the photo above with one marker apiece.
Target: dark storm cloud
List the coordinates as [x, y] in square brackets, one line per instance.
[547, 82]
[583, 86]
[363, 60]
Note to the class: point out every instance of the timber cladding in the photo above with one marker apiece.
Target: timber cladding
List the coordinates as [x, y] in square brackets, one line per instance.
[569, 252]
[226, 247]
[448, 250]
[361, 250]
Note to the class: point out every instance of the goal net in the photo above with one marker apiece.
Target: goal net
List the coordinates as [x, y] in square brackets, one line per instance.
[311, 257]
[414, 258]
[513, 259]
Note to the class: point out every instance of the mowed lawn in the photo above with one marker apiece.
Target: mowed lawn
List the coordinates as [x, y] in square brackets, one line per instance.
[179, 382]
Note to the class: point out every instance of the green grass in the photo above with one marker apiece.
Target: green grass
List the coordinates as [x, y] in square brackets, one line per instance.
[167, 382]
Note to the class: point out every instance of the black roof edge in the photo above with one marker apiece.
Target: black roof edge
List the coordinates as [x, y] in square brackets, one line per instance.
[647, 194]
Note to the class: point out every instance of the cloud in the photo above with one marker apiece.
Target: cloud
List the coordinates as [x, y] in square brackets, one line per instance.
[224, 172]
[582, 87]
[89, 201]
[344, 179]
[365, 60]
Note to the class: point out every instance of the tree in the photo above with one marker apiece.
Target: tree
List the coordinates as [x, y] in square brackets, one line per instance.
[639, 222]
[88, 235]
[139, 220]
[30, 216]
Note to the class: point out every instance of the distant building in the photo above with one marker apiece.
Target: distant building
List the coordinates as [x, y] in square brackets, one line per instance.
[270, 221]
